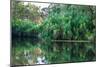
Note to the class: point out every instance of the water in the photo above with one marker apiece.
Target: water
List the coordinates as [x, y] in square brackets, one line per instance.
[28, 51]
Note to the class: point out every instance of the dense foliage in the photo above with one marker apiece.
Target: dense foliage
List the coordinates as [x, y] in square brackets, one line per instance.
[70, 22]
[24, 28]
[61, 22]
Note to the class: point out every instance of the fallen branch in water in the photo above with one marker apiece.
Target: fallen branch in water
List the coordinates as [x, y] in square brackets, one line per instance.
[70, 41]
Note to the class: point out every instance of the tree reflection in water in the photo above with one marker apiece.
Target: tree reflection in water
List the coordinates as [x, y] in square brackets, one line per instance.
[29, 52]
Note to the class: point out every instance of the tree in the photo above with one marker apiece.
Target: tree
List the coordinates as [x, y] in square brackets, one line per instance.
[70, 22]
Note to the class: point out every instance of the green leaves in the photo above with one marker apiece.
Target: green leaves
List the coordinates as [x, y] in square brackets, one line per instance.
[24, 28]
[62, 22]
[72, 20]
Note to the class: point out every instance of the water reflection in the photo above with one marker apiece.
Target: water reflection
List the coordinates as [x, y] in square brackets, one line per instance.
[30, 52]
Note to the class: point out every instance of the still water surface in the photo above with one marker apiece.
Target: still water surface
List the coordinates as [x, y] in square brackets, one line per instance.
[27, 51]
